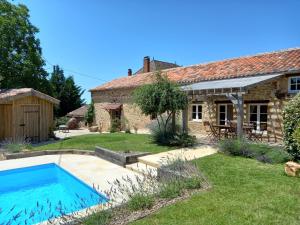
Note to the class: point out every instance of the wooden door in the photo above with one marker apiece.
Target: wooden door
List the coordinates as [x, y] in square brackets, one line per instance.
[31, 123]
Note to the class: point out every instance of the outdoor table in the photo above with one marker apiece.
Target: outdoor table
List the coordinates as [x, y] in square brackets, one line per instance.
[222, 127]
[63, 128]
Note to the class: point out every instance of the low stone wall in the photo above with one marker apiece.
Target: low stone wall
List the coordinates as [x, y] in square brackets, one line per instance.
[8, 156]
[120, 158]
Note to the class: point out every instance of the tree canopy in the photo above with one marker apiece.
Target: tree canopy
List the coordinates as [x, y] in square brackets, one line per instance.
[66, 90]
[21, 62]
[160, 97]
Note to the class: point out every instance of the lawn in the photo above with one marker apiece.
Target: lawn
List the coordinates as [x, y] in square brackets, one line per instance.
[245, 191]
[113, 141]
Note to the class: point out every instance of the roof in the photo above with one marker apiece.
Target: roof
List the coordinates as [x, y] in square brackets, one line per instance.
[156, 65]
[111, 106]
[241, 83]
[284, 61]
[80, 112]
[7, 95]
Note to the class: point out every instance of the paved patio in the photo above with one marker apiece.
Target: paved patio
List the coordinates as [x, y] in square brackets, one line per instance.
[90, 169]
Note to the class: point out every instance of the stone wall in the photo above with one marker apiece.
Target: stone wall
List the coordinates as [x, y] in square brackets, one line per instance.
[132, 116]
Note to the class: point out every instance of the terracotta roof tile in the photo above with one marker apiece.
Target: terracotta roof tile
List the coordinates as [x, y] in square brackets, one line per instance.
[267, 63]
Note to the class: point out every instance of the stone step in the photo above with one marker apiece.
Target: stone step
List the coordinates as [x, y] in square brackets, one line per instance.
[152, 162]
[142, 168]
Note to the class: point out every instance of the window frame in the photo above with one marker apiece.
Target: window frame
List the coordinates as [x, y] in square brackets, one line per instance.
[226, 113]
[258, 122]
[197, 112]
[290, 83]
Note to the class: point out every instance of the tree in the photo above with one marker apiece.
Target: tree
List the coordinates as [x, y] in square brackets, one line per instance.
[90, 114]
[160, 98]
[21, 62]
[66, 91]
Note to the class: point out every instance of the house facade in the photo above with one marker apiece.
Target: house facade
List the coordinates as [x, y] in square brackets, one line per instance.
[250, 89]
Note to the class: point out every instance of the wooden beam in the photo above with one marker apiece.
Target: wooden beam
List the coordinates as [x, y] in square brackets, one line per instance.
[238, 102]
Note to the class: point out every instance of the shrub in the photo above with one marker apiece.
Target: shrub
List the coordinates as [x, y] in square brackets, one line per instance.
[183, 140]
[61, 121]
[192, 183]
[171, 137]
[171, 189]
[115, 125]
[99, 218]
[140, 201]
[261, 152]
[15, 147]
[296, 135]
[127, 130]
[236, 147]
[291, 120]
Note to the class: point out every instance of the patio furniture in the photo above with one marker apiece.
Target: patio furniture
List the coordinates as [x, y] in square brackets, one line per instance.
[232, 130]
[212, 133]
[209, 131]
[63, 128]
[222, 130]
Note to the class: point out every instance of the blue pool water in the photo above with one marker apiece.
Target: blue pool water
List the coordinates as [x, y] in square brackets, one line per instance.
[34, 194]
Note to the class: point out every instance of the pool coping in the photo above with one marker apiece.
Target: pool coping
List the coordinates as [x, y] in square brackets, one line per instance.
[27, 154]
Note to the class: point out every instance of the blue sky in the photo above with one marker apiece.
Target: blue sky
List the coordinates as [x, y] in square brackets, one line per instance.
[97, 40]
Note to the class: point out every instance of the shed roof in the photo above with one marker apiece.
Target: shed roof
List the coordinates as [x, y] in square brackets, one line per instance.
[7, 95]
[283, 61]
[241, 83]
[80, 112]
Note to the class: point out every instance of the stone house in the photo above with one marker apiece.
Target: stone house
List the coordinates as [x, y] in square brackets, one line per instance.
[250, 89]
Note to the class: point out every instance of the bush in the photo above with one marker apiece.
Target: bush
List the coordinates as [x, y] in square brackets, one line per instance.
[127, 130]
[296, 135]
[115, 126]
[170, 138]
[171, 189]
[261, 152]
[192, 183]
[236, 147]
[291, 120]
[16, 147]
[100, 218]
[140, 201]
[61, 121]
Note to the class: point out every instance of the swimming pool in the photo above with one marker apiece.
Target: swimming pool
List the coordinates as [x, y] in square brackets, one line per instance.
[34, 194]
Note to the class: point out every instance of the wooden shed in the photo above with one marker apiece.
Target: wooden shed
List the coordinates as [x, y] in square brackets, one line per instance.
[25, 115]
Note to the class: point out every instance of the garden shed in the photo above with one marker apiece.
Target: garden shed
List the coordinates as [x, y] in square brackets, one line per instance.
[25, 115]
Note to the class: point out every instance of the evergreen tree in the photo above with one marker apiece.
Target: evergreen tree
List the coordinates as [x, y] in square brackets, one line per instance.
[66, 91]
[21, 62]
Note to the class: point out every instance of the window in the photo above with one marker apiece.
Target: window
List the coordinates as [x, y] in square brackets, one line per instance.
[258, 116]
[294, 84]
[197, 112]
[225, 113]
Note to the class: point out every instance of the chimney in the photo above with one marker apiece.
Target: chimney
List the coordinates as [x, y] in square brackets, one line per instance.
[129, 72]
[146, 67]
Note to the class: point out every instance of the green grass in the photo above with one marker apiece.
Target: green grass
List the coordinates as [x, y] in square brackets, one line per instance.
[245, 191]
[114, 141]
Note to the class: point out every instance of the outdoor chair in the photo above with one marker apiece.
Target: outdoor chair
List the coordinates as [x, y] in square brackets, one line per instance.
[215, 135]
[232, 130]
